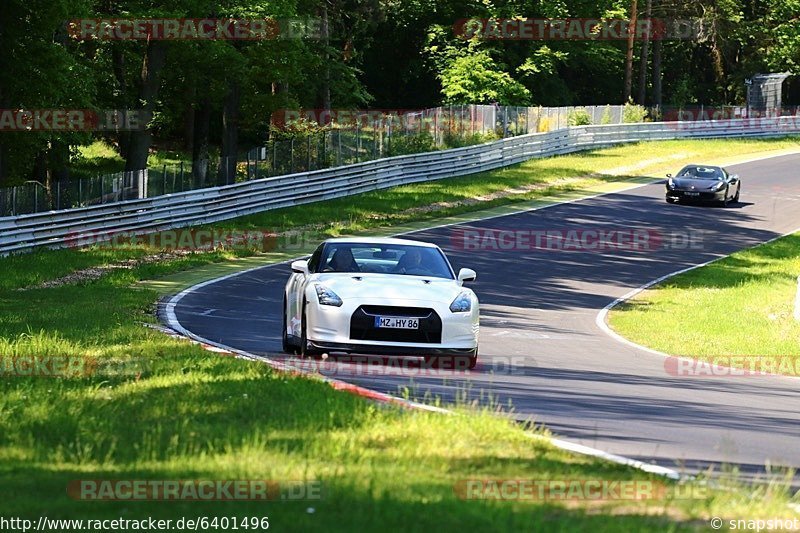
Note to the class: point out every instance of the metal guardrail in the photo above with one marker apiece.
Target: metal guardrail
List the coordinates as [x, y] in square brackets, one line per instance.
[205, 206]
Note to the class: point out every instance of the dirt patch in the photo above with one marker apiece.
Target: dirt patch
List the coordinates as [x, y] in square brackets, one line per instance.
[95, 273]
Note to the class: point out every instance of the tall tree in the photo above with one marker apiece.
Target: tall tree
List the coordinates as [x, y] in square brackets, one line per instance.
[644, 56]
[627, 91]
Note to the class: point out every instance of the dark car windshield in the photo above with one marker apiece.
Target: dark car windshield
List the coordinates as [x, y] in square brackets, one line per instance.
[701, 173]
[407, 260]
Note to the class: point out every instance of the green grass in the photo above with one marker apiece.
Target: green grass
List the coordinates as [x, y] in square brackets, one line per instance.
[100, 158]
[180, 412]
[740, 305]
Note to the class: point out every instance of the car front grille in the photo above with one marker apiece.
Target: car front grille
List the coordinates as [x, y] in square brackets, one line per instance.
[362, 324]
[702, 196]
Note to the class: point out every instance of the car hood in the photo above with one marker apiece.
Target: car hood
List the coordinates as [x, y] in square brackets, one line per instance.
[390, 286]
[694, 184]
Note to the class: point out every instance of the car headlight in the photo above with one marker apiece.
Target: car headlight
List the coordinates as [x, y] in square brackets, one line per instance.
[462, 303]
[670, 183]
[718, 186]
[327, 296]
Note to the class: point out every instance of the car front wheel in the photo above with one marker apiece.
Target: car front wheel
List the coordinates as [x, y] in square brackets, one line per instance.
[286, 345]
[305, 351]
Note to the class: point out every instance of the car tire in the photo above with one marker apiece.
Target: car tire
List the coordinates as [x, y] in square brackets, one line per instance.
[725, 200]
[671, 200]
[305, 351]
[287, 346]
[736, 198]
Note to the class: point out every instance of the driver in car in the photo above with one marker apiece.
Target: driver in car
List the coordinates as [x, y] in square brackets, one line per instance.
[411, 263]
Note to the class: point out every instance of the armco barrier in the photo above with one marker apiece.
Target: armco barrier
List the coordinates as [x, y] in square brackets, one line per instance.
[204, 206]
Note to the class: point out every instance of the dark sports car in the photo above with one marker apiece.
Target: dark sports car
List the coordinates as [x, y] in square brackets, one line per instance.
[700, 183]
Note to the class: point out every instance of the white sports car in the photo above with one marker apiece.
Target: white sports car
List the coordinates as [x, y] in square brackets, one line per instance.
[380, 296]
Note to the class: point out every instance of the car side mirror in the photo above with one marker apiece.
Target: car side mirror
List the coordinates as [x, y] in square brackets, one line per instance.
[734, 177]
[300, 267]
[466, 274]
[669, 175]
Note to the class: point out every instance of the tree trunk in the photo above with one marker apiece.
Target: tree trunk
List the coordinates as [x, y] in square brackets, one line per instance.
[657, 72]
[142, 139]
[629, 54]
[188, 117]
[202, 126]
[230, 135]
[325, 94]
[118, 66]
[645, 54]
[4, 177]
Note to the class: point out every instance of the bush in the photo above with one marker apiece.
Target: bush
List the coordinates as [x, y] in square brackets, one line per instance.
[457, 141]
[299, 128]
[543, 125]
[579, 117]
[411, 144]
[633, 113]
[606, 118]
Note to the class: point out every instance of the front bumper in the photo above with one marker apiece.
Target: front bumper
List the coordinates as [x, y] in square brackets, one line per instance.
[696, 196]
[343, 328]
[383, 349]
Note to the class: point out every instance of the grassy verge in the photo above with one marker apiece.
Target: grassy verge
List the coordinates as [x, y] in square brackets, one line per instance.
[739, 306]
[158, 408]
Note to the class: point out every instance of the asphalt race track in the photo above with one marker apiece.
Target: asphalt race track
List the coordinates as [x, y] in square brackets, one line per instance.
[540, 347]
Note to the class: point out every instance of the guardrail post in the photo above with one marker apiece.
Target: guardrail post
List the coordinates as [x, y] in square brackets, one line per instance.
[797, 301]
[358, 140]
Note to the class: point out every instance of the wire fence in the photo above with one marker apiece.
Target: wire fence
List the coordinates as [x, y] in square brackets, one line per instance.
[365, 137]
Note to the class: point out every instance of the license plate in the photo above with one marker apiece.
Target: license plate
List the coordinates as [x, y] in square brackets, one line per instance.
[692, 193]
[396, 322]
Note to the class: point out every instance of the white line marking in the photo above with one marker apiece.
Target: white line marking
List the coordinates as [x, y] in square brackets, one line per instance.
[601, 320]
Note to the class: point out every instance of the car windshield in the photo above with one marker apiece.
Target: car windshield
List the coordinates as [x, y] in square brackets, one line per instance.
[406, 260]
[701, 173]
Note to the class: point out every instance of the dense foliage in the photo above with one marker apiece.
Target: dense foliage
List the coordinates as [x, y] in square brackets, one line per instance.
[216, 98]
